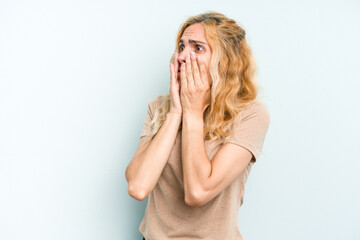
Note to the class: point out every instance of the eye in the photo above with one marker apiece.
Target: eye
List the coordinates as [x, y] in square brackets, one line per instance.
[199, 48]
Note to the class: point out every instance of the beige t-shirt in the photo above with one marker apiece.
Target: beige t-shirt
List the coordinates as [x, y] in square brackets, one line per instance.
[166, 214]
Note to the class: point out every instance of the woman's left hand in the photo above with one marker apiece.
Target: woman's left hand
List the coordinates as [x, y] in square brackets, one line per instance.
[195, 85]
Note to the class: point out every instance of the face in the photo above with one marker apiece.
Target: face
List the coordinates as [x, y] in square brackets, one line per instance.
[194, 39]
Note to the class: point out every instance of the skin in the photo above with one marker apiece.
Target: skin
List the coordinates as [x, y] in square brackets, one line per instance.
[190, 95]
[202, 52]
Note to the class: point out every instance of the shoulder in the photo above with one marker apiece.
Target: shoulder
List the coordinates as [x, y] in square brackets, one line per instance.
[256, 107]
[257, 111]
[155, 102]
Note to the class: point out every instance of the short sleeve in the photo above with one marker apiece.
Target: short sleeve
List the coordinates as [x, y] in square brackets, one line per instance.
[251, 130]
[148, 118]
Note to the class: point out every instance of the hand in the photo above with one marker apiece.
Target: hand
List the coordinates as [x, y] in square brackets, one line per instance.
[175, 105]
[195, 92]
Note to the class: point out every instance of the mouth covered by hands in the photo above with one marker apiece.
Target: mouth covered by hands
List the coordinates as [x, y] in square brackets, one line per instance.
[195, 85]
[190, 85]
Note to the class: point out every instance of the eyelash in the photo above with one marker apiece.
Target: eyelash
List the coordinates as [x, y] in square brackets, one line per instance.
[195, 47]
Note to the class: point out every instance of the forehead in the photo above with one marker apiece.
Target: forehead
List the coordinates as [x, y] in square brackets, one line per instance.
[195, 31]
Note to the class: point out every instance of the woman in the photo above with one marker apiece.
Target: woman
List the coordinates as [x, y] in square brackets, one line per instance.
[199, 142]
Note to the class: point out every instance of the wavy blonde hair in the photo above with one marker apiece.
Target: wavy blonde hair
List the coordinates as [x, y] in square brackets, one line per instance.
[232, 69]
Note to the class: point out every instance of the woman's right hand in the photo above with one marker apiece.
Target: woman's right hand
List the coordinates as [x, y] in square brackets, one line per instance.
[175, 105]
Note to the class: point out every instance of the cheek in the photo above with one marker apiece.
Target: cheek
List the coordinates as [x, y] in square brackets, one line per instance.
[208, 65]
[208, 62]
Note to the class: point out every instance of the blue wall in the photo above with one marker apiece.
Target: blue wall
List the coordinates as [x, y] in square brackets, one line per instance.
[75, 80]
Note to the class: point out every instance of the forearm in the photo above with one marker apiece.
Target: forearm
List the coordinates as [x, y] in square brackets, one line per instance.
[145, 169]
[196, 164]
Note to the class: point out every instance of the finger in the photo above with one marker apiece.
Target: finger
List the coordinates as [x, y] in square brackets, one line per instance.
[176, 65]
[189, 74]
[172, 74]
[196, 72]
[203, 71]
[183, 77]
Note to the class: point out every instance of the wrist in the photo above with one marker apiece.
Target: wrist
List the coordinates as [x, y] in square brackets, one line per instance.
[174, 115]
[193, 121]
[193, 114]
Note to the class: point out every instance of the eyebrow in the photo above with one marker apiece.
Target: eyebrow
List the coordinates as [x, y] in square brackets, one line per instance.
[192, 41]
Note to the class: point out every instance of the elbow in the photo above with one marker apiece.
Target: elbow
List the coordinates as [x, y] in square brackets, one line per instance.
[137, 193]
[134, 190]
[196, 199]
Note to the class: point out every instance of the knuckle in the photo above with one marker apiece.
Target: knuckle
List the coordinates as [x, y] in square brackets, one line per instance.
[204, 87]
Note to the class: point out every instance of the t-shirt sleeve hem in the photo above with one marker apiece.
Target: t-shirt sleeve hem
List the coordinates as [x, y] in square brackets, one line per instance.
[249, 147]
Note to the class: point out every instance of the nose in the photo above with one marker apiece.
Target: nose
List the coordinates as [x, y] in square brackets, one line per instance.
[183, 54]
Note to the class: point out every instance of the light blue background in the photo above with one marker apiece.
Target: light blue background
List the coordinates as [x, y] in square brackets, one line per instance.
[75, 80]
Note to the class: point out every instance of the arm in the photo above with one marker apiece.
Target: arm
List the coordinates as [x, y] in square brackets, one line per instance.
[144, 170]
[203, 180]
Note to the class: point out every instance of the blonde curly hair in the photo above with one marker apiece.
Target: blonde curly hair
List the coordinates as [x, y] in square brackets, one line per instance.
[232, 69]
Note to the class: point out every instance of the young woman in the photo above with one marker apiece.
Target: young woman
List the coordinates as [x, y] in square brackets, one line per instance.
[199, 142]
